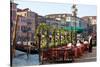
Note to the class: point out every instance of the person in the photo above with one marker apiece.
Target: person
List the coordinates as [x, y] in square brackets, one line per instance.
[86, 45]
[79, 42]
[90, 43]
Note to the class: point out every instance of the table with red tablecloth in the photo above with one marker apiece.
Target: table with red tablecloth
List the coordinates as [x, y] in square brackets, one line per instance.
[63, 53]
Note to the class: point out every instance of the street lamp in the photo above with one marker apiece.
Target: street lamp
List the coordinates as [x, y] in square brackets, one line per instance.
[74, 16]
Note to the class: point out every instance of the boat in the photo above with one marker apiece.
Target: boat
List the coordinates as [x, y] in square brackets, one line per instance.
[27, 48]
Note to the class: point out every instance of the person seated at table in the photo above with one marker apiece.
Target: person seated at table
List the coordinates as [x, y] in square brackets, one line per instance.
[80, 48]
[81, 42]
[78, 43]
[86, 45]
[86, 42]
[70, 45]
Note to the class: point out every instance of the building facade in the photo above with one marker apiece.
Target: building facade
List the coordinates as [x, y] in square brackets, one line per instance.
[27, 24]
[41, 19]
[92, 19]
[53, 22]
[92, 24]
[66, 20]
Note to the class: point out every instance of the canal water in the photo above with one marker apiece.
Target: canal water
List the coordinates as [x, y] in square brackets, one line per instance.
[21, 59]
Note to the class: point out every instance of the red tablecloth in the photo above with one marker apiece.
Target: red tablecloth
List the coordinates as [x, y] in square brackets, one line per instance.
[62, 52]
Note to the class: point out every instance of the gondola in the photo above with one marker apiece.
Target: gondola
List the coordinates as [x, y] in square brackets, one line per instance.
[26, 48]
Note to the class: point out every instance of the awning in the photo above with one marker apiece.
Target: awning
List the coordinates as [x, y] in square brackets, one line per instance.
[78, 29]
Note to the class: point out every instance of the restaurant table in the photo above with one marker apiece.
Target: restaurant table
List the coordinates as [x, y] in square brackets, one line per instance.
[57, 54]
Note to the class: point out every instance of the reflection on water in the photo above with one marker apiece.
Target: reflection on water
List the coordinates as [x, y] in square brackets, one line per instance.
[21, 59]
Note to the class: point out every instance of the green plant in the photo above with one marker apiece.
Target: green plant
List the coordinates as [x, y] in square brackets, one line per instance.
[42, 30]
[59, 37]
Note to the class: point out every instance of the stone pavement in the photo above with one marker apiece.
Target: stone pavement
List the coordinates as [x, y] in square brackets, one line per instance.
[88, 57]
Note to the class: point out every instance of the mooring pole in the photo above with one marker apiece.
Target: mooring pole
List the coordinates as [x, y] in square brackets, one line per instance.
[14, 37]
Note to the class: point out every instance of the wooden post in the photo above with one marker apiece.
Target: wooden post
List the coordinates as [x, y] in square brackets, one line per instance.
[14, 38]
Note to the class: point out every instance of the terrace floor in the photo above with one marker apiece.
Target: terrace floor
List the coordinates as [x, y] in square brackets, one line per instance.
[88, 57]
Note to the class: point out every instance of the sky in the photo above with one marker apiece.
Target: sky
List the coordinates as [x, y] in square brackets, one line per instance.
[45, 8]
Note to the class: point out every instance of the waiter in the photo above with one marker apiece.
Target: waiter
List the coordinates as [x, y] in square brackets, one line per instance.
[90, 43]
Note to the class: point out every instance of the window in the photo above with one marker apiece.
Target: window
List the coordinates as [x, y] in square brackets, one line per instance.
[67, 23]
[25, 14]
[18, 27]
[24, 28]
[51, 16]
[31, 14]
[64, 16]
[29, 20]
[23, 19]
[58, 18]
[81, 24]
[59, 15]
[29, 23]
[68, 19]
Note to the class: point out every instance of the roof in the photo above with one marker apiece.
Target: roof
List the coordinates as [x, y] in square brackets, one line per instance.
[21, 10]
[11, 2]
[93, 17]
[59, 14]
[52, 19]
